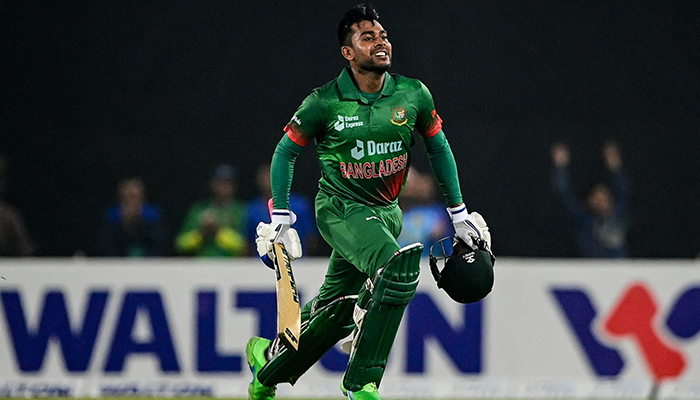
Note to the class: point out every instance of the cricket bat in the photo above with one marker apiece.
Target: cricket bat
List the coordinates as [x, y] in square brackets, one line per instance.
[288, 308]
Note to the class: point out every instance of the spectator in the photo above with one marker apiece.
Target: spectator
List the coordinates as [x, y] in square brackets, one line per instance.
[600, 223]
[215, 227]
[424, 219]
[300, 205]
[132, 228]
[14, 236]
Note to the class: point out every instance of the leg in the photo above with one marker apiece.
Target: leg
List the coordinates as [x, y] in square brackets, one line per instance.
[366, 237]
[363, 239]
[393, 288]
[322, 327]
[323, 324]
[325, 320]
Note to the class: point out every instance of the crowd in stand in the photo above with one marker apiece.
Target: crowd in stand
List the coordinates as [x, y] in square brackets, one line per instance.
[220, 225]
[223, 225]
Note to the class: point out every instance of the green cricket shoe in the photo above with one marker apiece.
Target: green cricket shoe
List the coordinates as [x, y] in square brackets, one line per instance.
[368, 392]
[255, 352]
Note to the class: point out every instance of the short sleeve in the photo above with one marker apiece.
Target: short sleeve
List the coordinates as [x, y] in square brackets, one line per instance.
[306, 122]
[428, 122]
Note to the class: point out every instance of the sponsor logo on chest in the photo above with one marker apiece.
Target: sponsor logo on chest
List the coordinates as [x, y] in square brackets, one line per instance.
[374, 169]
[371, 148]
[344, 122]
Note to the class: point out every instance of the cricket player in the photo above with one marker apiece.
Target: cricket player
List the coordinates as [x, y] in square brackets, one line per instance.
[362, 125]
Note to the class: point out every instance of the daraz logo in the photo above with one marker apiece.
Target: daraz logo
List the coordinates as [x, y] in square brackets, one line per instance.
[347, 122]
[633, 317]
[358, 152]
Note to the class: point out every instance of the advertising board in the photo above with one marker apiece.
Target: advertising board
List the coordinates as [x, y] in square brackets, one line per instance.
[173, 327]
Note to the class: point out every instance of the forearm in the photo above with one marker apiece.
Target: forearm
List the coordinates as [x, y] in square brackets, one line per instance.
[444, 167]
[622, 190]
[562, 185]
[282, 171]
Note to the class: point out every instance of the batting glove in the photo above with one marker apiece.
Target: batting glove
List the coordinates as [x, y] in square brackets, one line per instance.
[278, 231]
[469, 225]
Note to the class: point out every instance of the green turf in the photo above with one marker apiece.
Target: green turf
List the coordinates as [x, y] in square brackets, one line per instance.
[217, 398]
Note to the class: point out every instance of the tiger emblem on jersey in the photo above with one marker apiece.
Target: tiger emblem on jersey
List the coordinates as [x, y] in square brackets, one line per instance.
[399, 117]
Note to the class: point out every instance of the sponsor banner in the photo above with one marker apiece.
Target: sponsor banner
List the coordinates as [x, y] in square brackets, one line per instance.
[178, 327]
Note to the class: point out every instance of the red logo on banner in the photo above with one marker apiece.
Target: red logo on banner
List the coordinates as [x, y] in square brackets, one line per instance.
[633, 317]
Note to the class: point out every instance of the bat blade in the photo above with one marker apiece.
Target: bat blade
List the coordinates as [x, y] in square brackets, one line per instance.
[288, 307]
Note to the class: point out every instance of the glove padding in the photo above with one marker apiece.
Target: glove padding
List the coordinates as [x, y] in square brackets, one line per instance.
[468, 225]
[278, 231]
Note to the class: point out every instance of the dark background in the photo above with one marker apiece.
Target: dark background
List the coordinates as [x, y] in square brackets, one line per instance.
[93, 91]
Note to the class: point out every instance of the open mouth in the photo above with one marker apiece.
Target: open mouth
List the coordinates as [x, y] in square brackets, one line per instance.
[381, 54]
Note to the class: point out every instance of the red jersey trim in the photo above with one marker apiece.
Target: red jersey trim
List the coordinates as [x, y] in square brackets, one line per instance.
[395, 184]
[296, 136]
[435, 127]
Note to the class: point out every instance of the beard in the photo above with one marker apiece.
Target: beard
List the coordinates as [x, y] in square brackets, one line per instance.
[370, 66]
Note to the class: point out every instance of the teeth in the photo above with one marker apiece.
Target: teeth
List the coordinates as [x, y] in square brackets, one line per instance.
[380, 54]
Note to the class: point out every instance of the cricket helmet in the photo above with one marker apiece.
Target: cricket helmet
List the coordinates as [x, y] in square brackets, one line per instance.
[467, 273]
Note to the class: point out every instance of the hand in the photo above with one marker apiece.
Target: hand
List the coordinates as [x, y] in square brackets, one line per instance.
[278, 231]
[480, 223]
[560, 155]
[468, 226]
[208, 225]
[611, 153]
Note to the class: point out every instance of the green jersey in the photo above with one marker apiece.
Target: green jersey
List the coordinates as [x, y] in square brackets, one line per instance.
[363, 144]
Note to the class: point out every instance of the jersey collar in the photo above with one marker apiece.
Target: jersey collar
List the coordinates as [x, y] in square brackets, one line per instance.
[349, 91]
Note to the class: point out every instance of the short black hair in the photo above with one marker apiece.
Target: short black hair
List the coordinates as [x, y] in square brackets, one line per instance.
[361, 12]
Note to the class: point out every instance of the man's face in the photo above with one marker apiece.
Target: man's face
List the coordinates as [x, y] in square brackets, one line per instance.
[600, 200]
[222, 189]
[132, 194]
[370, 47]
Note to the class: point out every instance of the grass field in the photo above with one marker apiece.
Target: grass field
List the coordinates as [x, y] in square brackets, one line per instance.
[217, 398]
[340, 397]
[235, 398]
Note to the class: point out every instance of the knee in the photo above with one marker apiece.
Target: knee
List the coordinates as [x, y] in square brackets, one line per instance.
[334, 315]
[396, 282]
